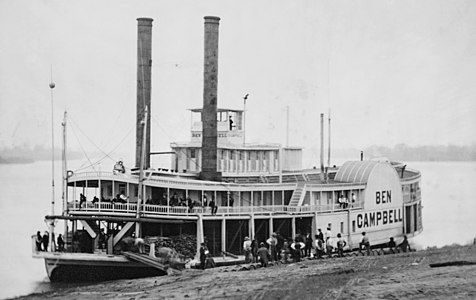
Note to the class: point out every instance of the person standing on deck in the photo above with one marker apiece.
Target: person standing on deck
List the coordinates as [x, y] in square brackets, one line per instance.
[231, 123]
[38, 240]
[60, 243]
[213, 206]
[82, 199]
[45, 241]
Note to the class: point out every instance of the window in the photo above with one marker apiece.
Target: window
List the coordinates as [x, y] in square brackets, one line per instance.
[192, 153]
[353, 226]
[342, 227]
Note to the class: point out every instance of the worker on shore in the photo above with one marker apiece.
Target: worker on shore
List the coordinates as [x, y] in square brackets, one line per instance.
[404, 245]
[254, 250]
[341, 243]
[392, 245]
[365, 243]
[203, 255]
[263, 255]
[272, 242]
[319, 246]
[247, 249]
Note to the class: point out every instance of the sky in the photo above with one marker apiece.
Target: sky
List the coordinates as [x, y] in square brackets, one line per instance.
[388, 72]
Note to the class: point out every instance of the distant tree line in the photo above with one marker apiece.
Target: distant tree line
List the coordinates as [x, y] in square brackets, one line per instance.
[26, 154]
[424, 153]
[403, 152]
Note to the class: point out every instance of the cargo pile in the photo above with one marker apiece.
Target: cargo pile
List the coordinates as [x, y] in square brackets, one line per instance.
[184, 244]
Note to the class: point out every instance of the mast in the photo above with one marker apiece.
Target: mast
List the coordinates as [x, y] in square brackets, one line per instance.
[244, 118]
[65, 175]
[141, 172]
[329, 142]
[287, 126]
[51, 223]
[322, 147]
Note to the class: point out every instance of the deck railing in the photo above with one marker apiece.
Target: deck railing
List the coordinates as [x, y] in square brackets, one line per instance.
[160, 210]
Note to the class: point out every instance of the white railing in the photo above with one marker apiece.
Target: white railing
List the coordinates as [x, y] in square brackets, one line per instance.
[147, 209]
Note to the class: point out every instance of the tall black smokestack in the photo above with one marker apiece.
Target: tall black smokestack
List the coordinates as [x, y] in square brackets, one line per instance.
[209, 113]
[144, 64]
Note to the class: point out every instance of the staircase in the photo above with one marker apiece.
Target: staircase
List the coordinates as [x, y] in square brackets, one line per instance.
[298, 194]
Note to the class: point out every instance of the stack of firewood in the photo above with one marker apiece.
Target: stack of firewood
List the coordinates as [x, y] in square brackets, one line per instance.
[184, 244]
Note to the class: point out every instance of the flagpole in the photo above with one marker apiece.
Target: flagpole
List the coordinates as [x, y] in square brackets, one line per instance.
[244, 118]
[51, 225]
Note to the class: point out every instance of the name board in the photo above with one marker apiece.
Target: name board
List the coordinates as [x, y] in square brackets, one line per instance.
[383, 216]
[376, 218]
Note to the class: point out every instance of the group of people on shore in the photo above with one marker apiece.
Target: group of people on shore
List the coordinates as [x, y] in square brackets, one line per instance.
[277, 248]
[42, 242]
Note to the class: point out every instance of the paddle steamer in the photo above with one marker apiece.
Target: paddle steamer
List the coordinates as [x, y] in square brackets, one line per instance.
[258, 190]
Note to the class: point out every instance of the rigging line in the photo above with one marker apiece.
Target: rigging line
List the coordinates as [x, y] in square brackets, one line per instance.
[89, 139]
[82, 167]
[113, 125]
[80, 145]
[153, 118]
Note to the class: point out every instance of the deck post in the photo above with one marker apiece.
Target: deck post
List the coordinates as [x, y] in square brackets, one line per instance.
[223, 234]
[199, 233]
[252, 226]
[293, 228]
[271, 229]
[348, 228]
[314, 224]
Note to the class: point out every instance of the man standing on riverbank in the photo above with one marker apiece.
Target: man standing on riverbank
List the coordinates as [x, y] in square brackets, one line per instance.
[365, 242]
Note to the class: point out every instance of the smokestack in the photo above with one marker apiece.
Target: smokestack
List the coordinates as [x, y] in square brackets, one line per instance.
[144, 64]
[209, 113]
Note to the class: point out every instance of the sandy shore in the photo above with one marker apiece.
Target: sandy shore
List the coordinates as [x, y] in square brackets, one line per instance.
[398, 276]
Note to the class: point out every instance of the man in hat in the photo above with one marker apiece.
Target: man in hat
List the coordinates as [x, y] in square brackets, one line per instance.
[272, 242]
[247, 249]
[203, 255]
[263, 255]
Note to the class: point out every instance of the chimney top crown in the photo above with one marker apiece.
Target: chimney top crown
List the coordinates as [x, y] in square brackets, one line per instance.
[212, 19]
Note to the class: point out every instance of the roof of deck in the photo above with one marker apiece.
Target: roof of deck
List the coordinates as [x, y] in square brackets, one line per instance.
[355, 171]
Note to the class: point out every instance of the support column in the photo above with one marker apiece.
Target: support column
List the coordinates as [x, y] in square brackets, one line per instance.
[223, 235]
[252, 226]
[349, 241]
[271, 227]
[293, 228]
[200, 238]
[314, 224]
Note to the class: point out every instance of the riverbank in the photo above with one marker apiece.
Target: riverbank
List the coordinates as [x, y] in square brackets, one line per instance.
[397, 276]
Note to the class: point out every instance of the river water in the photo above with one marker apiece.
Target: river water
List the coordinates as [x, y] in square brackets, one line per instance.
[448, 191]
